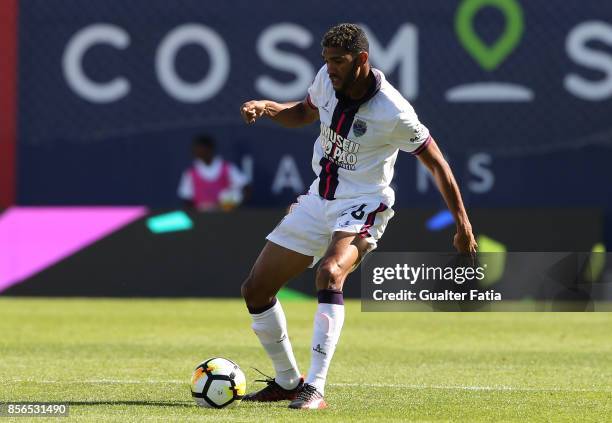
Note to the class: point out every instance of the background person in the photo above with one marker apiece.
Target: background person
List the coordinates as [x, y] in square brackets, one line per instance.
[211, 183]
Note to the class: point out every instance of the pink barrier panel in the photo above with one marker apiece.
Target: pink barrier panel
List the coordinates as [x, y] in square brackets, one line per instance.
[34, 238]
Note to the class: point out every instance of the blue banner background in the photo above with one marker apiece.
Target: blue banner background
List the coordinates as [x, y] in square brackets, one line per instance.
[552, 151]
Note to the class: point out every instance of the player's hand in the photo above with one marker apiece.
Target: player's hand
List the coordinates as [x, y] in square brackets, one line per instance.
[252, 110]
[464, 241]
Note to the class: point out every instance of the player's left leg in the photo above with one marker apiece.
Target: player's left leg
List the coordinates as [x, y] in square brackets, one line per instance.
[291, 248]
[273, 268]
[344, 252]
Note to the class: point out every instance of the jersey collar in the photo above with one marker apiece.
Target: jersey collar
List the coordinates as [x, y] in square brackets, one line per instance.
[372, 91]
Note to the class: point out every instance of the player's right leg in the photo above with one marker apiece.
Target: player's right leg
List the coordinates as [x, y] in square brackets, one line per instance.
[274, 267]
[356, 230]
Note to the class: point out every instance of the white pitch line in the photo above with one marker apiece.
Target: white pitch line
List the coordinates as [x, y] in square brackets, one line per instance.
[351, 385]
[469, 388]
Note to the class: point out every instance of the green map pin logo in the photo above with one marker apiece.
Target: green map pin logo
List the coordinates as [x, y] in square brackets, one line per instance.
[489, 57]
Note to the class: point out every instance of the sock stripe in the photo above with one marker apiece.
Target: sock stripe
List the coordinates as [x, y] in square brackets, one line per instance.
[260, 310]
[330, 296]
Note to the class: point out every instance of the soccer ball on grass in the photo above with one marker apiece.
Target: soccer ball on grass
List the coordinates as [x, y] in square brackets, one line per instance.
[217, 383]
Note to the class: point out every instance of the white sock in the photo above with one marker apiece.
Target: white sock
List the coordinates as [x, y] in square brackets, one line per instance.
[271, 329]
[327, 327]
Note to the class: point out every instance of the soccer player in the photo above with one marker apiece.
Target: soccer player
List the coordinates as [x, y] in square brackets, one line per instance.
[364, 122]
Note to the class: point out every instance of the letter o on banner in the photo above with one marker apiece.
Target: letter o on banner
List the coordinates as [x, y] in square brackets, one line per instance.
[165, 58]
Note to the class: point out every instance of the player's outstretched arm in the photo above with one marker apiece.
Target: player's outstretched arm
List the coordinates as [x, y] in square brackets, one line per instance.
[289, 115]
[433, 159]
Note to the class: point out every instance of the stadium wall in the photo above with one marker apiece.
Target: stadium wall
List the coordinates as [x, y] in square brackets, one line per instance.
[129, 251]
[108, 96]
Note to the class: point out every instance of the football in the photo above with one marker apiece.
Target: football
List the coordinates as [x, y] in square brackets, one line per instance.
[217, 383]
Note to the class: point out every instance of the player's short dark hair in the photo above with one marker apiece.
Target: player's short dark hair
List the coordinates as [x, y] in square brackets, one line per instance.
[347, 36]
[204, 140]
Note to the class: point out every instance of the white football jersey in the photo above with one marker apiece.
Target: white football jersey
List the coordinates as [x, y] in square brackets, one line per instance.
[356, 150]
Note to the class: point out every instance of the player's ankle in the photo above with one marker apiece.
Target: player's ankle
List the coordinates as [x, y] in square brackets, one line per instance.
[288, 379]
[317, 383]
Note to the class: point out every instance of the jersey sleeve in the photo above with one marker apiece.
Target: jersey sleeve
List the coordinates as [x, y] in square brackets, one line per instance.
[409, 134]
[316, 91]
[185, 188]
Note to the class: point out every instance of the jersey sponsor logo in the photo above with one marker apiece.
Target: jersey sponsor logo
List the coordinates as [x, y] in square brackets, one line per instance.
[419, 131]
[359, 127]
[337, 149]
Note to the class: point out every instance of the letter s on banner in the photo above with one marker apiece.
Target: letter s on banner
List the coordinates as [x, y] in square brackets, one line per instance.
[267, 49]
[578, 49]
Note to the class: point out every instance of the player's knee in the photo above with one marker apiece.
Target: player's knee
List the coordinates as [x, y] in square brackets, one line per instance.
[254, 294]
[330, 275]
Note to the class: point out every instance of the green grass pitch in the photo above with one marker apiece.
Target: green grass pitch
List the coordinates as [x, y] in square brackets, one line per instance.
[131, 361]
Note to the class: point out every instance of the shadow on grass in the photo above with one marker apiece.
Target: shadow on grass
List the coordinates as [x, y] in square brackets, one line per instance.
[176, 404]
[184, 404]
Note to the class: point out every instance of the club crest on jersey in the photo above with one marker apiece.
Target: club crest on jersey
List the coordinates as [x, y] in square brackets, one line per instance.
[359, 127]
[337, 149]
